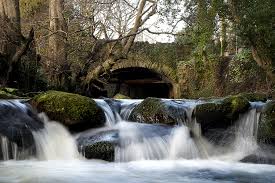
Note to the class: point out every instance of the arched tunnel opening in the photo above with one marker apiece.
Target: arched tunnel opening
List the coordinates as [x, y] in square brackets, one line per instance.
[137, 82]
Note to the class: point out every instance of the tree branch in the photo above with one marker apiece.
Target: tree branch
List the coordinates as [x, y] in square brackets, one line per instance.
[24, 47]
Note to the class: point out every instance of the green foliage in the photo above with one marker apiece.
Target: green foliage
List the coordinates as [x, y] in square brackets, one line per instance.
[255, 24]
[242, 68]
[202, 24]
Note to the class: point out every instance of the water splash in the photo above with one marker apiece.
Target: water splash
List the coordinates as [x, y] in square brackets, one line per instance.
[54, 142]
[182, 145]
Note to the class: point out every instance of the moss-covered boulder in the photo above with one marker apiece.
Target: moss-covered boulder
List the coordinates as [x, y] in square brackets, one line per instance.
[220, 114]
[120, 96]
[266, 130]
[254, 97]
[74, 111]
[154, 110]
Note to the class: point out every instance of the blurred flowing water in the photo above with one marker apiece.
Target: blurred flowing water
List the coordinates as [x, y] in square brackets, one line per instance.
[147, 153]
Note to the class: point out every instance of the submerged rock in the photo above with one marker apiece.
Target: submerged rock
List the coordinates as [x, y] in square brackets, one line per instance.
[258, 159]
[98, 145]
[74, 111]
[220, 114]
[154, 110]
[17, 121]
[266, 131]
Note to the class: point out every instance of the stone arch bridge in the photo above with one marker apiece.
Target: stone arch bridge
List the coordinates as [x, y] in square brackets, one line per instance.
[149, 71]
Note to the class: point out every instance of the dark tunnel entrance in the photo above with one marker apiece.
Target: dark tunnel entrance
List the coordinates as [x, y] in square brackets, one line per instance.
[139, 82]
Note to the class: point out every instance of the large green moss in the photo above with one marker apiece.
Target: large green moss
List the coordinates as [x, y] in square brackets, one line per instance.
[72, 110]
[266, 131]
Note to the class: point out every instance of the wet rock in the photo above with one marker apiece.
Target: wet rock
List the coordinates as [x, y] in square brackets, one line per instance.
[258, 159]
[220, 114]
[154, 110]
[98, 145]
[17, 121]
[76, 112]
[266, 130]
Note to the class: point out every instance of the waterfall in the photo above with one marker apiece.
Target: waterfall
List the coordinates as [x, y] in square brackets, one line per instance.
[138, 141]
[54, 142]
[9, 149]
[246, 133]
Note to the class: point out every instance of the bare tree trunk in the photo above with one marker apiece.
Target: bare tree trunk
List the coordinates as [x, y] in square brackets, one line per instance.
[223, 36]
[12, 43]
[57, 65]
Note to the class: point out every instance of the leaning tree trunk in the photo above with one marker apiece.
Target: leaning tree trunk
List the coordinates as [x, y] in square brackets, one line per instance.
[9, 32]
[13, 45]
[126, 43]
[57, 66]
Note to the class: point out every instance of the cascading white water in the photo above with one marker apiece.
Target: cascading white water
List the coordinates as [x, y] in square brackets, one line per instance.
[54, 142]
[140, 142]
[9, 149]
[246, 134]
[109, 115]
[184, 141]
[127, 107]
